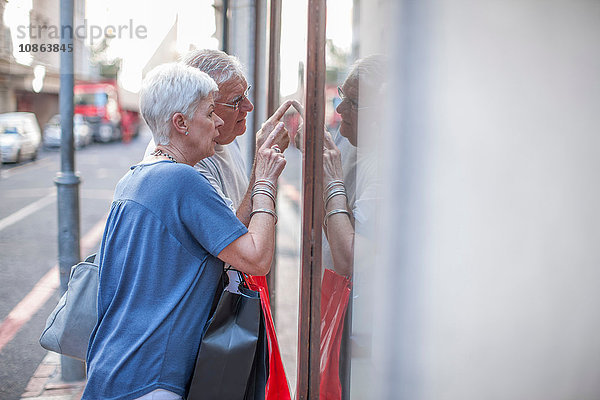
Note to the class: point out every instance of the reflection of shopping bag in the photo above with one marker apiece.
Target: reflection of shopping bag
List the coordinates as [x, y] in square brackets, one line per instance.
[277, 385]
[335, 292]
[231, 362]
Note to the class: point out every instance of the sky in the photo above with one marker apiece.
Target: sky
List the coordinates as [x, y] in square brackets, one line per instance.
[16, 12]
[196, 25]
[293, 36]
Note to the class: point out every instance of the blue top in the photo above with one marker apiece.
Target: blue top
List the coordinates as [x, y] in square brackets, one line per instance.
[158, 276]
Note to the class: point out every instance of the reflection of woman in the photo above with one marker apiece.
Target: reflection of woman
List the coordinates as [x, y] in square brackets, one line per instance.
[166, 234]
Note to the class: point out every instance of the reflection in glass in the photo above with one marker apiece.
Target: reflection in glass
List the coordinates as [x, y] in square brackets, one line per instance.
[350, 195]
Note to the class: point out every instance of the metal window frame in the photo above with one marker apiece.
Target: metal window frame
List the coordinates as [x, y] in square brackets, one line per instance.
[312, 208]
[273, 100]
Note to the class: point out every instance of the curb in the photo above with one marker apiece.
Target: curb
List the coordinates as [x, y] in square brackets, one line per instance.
[46, 384]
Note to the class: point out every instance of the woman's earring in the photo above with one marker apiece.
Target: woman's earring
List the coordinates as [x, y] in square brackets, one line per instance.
[186, 133]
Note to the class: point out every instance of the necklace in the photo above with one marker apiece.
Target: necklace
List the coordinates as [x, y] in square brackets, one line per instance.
[159, 152]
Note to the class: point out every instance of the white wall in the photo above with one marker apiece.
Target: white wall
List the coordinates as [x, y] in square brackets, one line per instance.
[488, 288]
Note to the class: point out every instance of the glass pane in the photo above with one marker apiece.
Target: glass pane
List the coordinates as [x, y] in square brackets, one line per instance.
[356, 82]
[339, 199]
[289, 238]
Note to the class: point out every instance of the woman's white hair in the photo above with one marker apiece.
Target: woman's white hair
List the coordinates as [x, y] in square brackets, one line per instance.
[218, 64]
[168, 89]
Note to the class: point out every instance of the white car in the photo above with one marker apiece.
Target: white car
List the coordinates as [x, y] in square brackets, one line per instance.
[20, 136]
[82, 134]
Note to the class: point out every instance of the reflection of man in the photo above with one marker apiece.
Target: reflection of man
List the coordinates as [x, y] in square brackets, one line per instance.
[354, 165]
[350, 197]
[226, 170]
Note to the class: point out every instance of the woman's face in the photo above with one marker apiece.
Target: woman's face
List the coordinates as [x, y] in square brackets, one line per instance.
[203, 128]
[348, 110]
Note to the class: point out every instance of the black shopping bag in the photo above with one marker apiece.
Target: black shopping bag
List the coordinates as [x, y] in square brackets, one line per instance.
[232, 359]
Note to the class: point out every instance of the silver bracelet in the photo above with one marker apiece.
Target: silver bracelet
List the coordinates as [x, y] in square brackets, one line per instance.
[334, 193]
[266, 182]
[336, 211]
[266, 211]
[333, 186]
[263, 191]
[334, 183]
[263, 186]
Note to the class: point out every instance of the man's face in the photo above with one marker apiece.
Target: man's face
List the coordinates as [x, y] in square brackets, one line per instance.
[348, 109]
[234, 121]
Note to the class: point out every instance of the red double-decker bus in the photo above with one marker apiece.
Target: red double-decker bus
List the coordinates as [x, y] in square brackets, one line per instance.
[102, 109]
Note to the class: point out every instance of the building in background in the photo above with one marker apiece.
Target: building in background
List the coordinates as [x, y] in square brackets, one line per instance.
[33, 86]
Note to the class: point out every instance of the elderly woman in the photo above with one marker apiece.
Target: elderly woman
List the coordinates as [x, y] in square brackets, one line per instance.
[166, 238]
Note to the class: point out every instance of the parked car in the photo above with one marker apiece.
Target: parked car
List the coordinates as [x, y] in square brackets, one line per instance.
[82, 134]
[20, 136]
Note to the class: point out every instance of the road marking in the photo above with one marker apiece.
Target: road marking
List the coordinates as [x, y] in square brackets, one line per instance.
[27, 211]
[93, 236]
[31, 192]
[9, 172]
[23, 311]
[43, 290]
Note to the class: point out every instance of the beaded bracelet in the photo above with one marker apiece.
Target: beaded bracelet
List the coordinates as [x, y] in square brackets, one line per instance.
[266, 211]
[336, 211]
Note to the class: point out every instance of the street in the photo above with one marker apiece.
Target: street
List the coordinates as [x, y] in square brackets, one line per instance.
[28, 244]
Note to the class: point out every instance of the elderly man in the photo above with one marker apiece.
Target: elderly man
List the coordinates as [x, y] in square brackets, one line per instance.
[226, 170]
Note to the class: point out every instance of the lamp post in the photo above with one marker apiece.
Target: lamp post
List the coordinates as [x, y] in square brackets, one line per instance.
[67, 181]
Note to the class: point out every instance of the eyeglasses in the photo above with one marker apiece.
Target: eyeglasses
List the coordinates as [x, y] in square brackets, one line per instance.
[353, 103]
[235, 103]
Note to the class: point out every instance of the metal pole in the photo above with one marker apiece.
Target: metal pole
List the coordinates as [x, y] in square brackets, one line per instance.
[225, 37]
[253, 67]
[312, 208]
[67, 181]
[272, 105]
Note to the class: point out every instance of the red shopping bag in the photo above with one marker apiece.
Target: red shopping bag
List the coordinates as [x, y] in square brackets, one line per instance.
[277, 385]
[335, 293]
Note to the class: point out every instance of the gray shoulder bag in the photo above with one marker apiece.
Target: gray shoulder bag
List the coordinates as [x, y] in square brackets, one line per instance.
[70, 325]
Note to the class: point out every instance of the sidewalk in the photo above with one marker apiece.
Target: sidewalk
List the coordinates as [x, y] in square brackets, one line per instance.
[45, 384]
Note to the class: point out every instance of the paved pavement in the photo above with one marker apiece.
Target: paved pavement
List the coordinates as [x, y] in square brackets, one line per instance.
[46, 383]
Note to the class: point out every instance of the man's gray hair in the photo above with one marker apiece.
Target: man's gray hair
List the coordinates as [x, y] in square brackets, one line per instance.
[219, 65]
[168, 89]
[371, 71]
